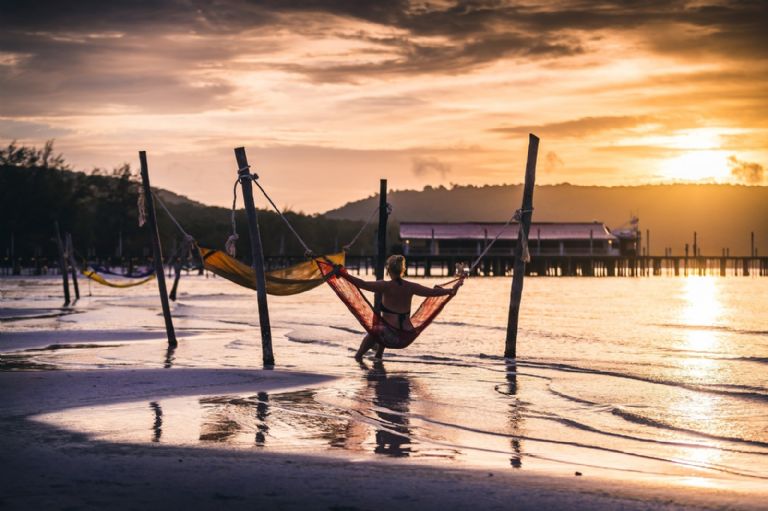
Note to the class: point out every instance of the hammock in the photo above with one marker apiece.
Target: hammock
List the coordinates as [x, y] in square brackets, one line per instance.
[285, 281]
[136, 275]
[91, 274]
[386, 334]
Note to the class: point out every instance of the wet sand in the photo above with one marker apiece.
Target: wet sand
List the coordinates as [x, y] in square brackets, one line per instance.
[44, 467]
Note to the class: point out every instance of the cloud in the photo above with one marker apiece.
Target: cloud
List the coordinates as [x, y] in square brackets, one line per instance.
[746, 172]
[23, 130]
[578, 128]
[552, 162]
[425, 165]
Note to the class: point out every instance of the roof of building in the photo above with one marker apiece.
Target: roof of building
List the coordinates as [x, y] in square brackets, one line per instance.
[483, 230]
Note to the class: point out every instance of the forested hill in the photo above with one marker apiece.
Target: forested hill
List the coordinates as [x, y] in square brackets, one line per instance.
[722, 215]
[101, 209]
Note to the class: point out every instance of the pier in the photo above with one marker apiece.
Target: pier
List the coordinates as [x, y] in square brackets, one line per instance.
[492, 265]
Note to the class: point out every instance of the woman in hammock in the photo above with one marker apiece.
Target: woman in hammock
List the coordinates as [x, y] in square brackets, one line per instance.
[396, 296]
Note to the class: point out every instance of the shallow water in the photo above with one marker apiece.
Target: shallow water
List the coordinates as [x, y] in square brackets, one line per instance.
[657, 377]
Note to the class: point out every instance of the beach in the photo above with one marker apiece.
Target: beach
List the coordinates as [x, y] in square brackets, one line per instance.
[627, 394]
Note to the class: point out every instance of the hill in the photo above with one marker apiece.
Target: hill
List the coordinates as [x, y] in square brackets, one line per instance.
[722, 215]
[101, 213]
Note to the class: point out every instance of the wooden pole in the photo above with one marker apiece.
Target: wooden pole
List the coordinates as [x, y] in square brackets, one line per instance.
[157, 252]
[381, 245]
[62, 264]
[72, 265]
[510, 350]
[257, 255]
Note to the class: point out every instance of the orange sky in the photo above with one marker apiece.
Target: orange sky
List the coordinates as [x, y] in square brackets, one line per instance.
[329, 96]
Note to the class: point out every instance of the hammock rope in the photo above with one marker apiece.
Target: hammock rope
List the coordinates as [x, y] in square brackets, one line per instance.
[307, 251]
[367, 222]
[185, 234]
[517, 217]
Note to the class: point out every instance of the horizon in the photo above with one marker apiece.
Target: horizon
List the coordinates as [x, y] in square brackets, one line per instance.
[334, 96]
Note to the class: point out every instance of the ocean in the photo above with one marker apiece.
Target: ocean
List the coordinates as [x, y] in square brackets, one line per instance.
[658, 377]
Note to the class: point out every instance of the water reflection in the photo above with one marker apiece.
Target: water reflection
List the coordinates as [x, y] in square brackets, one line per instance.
[169, 356]
[697, 411]
[515, 415]
[262, 413]
[392, 399]
[157, 426]
[702, 309]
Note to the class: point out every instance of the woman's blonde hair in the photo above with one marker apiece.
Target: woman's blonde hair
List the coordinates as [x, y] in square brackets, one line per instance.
[396, 266]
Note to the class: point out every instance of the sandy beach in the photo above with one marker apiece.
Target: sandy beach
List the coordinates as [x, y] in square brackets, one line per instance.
[97, 412]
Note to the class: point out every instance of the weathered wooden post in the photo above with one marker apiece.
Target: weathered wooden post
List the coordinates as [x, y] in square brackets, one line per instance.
[257, 254]
[62, 264]
[157, 252]
[510, 350]
[72, 265]
[381, 244]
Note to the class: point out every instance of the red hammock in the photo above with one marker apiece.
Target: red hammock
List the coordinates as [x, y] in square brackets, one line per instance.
[386, 334]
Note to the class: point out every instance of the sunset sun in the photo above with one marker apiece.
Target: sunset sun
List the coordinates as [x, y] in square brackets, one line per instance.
[697, 165]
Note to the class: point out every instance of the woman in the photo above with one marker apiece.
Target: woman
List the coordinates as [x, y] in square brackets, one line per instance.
[396, 297]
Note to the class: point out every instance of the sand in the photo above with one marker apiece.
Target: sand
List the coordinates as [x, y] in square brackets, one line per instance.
[44, 467]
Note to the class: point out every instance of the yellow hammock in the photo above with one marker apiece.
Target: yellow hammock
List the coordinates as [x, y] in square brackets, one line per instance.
[104, 282]
[285, 281]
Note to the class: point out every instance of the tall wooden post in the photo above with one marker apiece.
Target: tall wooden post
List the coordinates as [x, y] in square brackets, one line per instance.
[257, 255]
[72, 265]
[62, 264]
[157, 252]
[381, 245]
[510, 350]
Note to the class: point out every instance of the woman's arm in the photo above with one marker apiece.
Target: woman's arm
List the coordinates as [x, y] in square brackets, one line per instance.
[376, 286]
[420, 290]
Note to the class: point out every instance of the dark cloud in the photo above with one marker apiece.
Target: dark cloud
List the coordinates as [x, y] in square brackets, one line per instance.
[425, 165]
[91, 54]
[746, 172]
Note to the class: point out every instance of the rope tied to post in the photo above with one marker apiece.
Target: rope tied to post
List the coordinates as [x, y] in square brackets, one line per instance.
[231, 244]
[526, 254]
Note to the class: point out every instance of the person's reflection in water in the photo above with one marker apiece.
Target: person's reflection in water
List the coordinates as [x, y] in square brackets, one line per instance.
[157, 427]
[391, 393]
[515, 415]
[169, 356]
[262, 412]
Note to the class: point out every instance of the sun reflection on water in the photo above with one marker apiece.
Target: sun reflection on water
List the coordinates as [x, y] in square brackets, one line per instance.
[701, 312]
[702, 309]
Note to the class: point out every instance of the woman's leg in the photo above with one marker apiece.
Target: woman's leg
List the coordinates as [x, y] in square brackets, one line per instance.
[367, 344]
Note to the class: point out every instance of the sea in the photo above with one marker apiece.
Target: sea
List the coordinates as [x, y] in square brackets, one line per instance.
[650, 377]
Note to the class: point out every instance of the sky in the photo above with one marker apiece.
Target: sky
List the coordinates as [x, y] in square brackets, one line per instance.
[328, 97]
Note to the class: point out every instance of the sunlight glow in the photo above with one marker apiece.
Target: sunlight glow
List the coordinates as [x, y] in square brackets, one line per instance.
[700, 165]
[703, 307]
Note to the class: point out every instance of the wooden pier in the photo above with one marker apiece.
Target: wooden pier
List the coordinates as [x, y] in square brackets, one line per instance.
[579, 266]
[492, 265]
